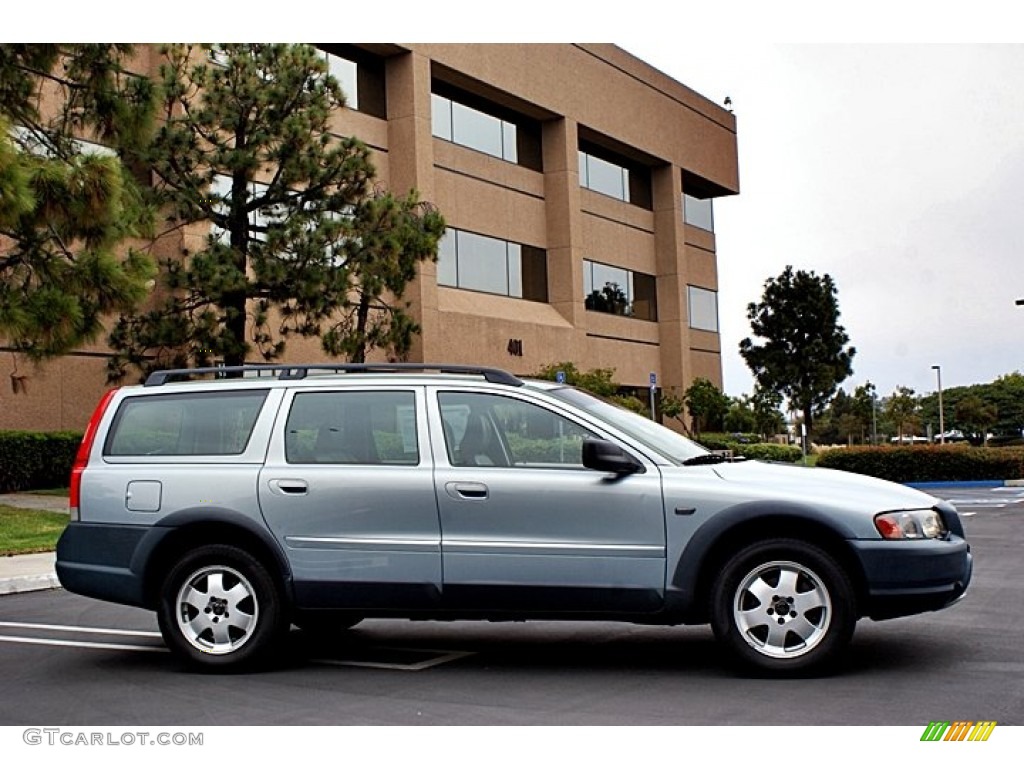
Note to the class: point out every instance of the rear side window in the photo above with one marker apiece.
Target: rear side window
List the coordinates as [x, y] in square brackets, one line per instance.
[196, 424]
[352, 428]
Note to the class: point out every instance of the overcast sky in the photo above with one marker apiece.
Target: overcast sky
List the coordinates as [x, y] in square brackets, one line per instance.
[896, 169]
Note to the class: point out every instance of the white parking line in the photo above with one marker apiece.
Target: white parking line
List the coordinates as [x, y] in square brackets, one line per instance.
[444, 658]
[79, 644]
[84, 630]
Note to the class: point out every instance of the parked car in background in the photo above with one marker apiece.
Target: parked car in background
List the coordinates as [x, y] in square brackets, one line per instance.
[909, 440]
[319, 495]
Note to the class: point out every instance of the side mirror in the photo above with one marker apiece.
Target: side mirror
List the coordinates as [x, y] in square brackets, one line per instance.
[605, 456]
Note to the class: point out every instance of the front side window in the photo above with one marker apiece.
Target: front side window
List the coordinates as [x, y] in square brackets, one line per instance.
[619, 291]
[352, 428]
[493, 431]
[197, 424]
[703, 308]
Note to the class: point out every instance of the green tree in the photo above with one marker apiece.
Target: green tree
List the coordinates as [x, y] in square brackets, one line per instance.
[597, 381]
[848, 417]
[902, 410]
[740, 417]
[766, 404]
[976, 415]
[68, 205]
[804, 354]
[300, 243]
[706, 404]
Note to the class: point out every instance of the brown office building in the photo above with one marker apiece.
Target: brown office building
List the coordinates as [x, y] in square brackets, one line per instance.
[577, 185]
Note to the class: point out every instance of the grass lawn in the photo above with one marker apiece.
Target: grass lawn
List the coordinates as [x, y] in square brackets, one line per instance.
[29, 530]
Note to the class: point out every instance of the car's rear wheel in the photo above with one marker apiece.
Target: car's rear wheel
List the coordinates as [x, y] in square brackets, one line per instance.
[783, 606]
[219, 607]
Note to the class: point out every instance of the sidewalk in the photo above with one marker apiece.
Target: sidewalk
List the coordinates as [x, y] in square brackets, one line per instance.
[27, 573]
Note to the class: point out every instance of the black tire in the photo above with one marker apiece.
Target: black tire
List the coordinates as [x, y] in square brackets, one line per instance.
[783, 607]
[221, 609]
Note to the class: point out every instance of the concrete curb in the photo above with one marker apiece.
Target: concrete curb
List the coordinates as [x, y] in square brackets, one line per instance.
[18, 584]
[28, 573]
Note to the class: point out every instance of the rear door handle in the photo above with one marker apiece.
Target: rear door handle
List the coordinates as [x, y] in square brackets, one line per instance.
[472, 491]
[289, 487]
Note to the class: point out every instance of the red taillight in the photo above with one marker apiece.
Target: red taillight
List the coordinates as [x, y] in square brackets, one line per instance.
[84, 449]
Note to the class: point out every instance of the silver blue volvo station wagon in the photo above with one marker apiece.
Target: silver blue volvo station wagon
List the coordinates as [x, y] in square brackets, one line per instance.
[236, 502]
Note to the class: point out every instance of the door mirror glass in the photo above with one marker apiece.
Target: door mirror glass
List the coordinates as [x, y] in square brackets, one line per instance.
[605, 456]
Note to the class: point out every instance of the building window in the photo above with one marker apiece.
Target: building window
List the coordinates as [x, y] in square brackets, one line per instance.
[259, 220]
[346, 73]
[619, 291]
[604, 176]
[472, 128]
[480, 263]
[360, 73]
[698, 212]
[703, 308]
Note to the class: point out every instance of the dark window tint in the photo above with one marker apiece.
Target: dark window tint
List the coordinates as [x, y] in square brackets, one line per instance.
[196, 424]
[352, 428]
[493, 431]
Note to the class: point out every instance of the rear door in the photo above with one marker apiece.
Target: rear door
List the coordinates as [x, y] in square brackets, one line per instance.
[348, 491]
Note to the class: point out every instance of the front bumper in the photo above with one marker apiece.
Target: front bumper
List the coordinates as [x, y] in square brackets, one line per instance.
[908, 577]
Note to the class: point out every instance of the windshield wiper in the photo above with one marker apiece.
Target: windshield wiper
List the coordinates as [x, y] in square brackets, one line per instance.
[712, 458]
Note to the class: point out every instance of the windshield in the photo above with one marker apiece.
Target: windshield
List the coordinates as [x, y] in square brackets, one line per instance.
[669, 444]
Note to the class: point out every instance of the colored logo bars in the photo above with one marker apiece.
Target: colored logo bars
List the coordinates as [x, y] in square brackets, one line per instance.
[961, 730]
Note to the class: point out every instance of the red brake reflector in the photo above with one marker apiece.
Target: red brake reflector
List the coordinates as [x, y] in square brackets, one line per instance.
[85, 448]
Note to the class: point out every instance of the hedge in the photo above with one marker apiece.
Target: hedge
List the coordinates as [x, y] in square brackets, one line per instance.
[36, 460]
[930, 463]
[754, 449]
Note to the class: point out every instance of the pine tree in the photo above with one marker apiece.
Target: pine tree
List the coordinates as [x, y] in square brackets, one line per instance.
[67, 204]
[301, 241]
[804, 354]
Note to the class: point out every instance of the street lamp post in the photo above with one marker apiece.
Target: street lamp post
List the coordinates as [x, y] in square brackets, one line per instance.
[942, 420]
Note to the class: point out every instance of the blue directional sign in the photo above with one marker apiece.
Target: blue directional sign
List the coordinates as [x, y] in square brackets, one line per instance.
[654, 381]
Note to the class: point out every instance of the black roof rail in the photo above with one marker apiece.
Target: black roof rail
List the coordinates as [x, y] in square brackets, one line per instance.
[300, 371]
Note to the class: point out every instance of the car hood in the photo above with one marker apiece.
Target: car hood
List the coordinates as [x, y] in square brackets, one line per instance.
[829, 485]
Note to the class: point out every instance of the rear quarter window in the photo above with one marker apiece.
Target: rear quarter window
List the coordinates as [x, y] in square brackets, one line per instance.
[185, 424]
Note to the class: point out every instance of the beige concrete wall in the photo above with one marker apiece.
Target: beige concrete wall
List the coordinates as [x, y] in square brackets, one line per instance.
[567, 89]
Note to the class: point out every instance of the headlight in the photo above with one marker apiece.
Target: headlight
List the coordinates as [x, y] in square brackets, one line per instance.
[916, 524]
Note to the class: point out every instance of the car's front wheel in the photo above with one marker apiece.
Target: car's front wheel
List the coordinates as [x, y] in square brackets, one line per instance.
[219, 607]
[783, 606]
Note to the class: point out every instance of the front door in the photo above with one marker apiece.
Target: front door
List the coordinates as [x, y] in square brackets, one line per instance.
[525, 527]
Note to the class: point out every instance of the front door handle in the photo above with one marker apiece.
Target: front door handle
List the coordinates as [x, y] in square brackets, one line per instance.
[471, 491]
[289, 487]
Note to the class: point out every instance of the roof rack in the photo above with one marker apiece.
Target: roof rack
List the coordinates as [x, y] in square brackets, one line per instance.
[285, 371]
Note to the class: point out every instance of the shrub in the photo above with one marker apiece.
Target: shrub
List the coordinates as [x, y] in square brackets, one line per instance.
[768, 452]
[750, 446]
[31, 460]
[933, 463]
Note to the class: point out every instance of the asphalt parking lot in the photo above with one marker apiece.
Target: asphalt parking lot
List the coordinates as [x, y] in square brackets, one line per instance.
[68, 660]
